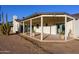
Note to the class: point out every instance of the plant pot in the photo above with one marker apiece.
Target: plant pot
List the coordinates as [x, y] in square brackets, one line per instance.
[62, 36]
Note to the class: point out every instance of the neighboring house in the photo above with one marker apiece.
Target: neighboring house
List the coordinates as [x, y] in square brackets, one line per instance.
[48, 23]
[16, 24]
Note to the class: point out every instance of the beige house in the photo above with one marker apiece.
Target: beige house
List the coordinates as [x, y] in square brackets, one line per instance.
[40, 26]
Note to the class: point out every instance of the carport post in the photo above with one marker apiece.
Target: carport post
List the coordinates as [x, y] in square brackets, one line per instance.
[65, 27]
[30, 27]
[23, 27]
[41, 28]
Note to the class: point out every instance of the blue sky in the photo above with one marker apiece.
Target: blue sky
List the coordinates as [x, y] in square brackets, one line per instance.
[26, 10]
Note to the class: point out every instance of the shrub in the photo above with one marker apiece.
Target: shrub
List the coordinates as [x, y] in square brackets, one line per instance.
[3, 30]
[7, 28]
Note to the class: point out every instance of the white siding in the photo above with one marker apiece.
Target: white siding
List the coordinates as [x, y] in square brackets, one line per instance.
[76, 28]
[46, 29]
[69, 27]
[16, 24]
[54, 29]
[37, 29]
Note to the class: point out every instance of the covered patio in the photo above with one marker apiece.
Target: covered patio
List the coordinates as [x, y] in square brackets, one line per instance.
[45, 30]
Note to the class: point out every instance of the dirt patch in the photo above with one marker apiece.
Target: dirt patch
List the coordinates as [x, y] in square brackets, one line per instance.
[17, 44]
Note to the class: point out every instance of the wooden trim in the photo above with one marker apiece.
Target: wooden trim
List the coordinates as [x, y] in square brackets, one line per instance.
[31, 18]
[53, 15]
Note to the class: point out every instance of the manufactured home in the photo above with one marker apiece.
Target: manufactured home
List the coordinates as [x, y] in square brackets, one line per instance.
[55, 25]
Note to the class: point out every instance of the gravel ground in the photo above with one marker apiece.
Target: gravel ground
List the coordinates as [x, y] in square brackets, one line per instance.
[15, 44]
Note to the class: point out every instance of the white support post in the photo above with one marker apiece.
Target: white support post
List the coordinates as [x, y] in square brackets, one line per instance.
[41, 28]
[65, 28]
[23, 27]
[50, 29]
[30, 27]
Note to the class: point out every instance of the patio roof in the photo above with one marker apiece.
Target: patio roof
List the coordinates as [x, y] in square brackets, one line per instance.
[43, 13]
[46, 13]
[47, 20]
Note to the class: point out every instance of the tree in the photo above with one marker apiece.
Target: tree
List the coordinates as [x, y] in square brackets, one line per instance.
[7, 25]
[2, 24]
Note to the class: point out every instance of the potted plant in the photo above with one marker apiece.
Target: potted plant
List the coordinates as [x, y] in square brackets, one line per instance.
[62, 35]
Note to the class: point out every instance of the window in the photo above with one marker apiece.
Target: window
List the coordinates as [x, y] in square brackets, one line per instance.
[63, 27]
[37, 25]
[46, 24]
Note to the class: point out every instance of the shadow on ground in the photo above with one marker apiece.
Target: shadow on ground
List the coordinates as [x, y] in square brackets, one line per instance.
[36, 43]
